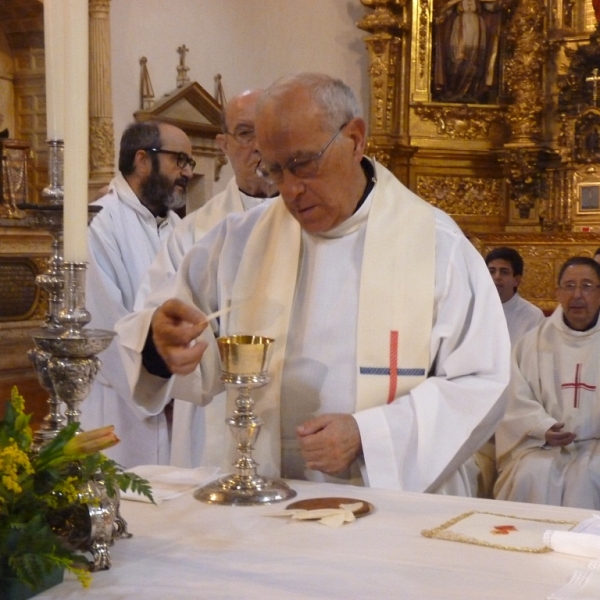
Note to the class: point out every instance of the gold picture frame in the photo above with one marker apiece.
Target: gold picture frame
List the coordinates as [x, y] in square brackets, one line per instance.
[588, 198]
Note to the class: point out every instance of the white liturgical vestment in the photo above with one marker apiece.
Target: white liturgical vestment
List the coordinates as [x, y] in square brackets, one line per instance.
[123, 239]
[555, 379]
[521, 316]
[188, 232]
[415, 439]
[189, 421]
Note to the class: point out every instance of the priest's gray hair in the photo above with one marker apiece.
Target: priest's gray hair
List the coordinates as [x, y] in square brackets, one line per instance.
[337, 101]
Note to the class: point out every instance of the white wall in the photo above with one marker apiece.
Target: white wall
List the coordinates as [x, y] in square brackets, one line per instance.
[249, 42]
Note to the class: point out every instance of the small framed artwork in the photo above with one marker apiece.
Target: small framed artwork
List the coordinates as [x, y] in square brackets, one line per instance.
[589, 198]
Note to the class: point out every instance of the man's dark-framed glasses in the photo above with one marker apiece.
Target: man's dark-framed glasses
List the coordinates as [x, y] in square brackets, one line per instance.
[301, 167]
[587, 287]
[244, 136]
[183, 160]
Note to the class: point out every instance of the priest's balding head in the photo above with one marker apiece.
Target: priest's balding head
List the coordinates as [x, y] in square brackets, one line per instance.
[312, 137]
[238, 142]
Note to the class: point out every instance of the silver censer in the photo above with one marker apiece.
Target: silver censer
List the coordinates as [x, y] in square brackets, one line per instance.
[244, 361]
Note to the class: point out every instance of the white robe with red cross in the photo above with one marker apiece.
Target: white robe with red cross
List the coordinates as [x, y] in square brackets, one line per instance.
[419, 440]
[555, 379]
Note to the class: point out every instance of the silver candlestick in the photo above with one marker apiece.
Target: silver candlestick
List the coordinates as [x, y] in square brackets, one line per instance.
[244, 360]
[54, 191]
[73, 364]
[50, 217]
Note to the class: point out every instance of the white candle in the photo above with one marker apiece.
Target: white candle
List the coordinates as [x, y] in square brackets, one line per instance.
[54, 30]
[76, 130]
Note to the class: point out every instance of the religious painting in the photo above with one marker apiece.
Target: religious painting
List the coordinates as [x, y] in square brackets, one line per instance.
[587, 137]
[466, 51]
[589, 198]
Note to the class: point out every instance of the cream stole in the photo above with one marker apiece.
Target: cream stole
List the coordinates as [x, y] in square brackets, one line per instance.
[396, 295]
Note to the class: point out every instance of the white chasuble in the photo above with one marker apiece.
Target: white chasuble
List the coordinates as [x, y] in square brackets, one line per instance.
[380, 327]
[555, 380]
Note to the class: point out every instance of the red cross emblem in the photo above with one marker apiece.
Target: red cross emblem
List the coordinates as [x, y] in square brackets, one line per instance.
[578, 385]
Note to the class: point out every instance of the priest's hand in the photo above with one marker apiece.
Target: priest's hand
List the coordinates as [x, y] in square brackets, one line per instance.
[556, 437]
[175, 327]
[329, 443]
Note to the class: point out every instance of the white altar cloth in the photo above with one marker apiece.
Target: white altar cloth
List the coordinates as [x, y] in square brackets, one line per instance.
[186, 549]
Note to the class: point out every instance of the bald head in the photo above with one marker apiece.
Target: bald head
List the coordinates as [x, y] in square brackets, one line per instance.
[311, 139]
[243, 104]
[329, 96]
[238, 142]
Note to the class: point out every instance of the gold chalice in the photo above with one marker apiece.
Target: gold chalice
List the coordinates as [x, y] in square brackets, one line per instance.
[244, 363]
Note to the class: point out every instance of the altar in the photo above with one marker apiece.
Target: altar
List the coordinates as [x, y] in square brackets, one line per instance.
[183, 548]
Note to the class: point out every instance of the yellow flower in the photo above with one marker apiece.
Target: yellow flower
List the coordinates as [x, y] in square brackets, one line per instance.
[66, 491]
[88, 442]
[22, 420]
[17, 401]
[13, 464]
[84, 576]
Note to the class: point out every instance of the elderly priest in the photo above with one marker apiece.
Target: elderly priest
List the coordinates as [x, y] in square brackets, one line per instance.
[547, 444]
[391, 348]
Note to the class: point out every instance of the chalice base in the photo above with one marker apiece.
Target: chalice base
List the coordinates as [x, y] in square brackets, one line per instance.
[240, 490]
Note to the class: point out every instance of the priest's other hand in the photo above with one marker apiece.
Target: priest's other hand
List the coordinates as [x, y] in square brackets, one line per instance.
[329, 443]
[556, 437]
[175, 327]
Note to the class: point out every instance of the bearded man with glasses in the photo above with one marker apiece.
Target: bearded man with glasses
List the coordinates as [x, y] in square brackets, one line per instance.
[137, 216]
[548, 442]
[390, 355]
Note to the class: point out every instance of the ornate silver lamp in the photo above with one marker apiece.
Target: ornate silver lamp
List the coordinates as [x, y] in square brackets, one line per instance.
[244, 361]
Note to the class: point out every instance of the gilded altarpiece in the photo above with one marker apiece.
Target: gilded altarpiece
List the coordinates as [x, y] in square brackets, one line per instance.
[490, 110]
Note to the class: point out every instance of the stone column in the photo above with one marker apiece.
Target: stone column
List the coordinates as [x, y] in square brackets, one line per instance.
[102, 157]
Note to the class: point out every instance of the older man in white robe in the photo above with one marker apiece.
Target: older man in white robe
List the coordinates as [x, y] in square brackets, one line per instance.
[547, 443]
[388, 362]
[155, 165]
[246, 190]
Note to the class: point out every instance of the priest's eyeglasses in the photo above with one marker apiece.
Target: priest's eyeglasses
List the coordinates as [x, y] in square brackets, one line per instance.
[244, 136]
[183, 160]
[586, 287]
[301, 167]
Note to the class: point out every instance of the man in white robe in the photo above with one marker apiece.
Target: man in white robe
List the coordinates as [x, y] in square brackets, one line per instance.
[547, 443]
[388, 363]
[506, 268]
[155, 166]
[245, 191]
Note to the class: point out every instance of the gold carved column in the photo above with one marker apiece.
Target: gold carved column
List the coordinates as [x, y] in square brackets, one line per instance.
[101, 112]
[389, 52]
[526, 155]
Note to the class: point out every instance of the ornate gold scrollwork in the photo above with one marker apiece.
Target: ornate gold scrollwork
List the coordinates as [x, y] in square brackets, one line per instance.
[380, 154]
[459, 122]
[524, 167]
[462, 195]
